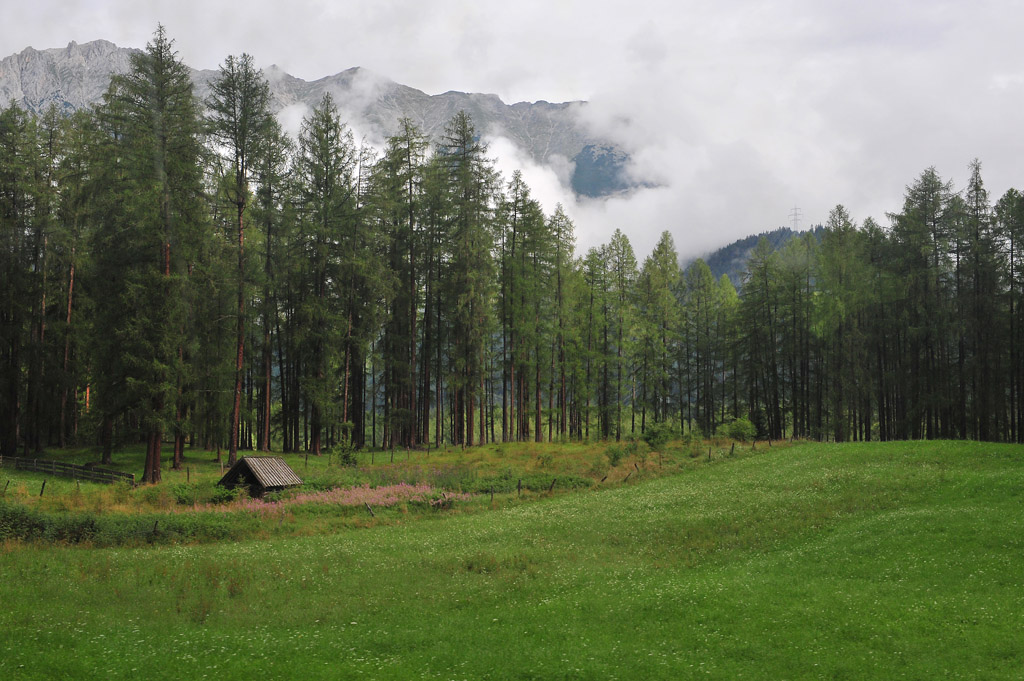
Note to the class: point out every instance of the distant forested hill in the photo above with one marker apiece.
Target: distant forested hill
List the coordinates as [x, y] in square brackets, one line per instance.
[732, 259]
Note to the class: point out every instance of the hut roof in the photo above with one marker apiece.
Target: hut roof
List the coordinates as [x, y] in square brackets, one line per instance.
[268, 472]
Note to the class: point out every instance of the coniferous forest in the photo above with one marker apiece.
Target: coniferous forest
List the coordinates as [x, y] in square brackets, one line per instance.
[182, 274]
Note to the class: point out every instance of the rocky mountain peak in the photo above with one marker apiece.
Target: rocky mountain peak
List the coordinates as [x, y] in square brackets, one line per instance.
[69, 77]
[76, 76]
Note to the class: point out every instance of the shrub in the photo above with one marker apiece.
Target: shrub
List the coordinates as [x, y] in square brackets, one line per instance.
[224, 495]
[344, 453]
[657, 435]
[185, 493]
[154, 495]
[637, 448]
[71, 529]
[21, 523]
[206, 492]
[272, 497]
[741, 430]
[614, 454]
[692, 435]
[121, 491]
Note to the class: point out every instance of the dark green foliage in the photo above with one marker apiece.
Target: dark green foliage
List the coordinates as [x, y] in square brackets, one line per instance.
[19, 260]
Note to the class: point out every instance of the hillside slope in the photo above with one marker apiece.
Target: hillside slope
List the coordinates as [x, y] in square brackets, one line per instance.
[860, 561]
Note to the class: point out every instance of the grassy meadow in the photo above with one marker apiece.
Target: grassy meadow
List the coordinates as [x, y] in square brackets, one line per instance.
[813, 561]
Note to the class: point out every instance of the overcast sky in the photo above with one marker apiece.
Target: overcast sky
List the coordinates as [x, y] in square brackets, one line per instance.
[738, 110]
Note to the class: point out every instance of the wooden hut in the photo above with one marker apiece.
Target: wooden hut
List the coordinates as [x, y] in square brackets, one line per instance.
[260, 474]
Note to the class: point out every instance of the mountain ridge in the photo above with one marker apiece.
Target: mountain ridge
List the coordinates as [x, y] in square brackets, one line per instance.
[554, 134]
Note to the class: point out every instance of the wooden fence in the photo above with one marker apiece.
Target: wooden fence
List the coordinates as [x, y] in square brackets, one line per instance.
[68, 470]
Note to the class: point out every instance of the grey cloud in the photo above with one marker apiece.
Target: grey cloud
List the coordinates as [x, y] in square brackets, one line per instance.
[737, 110]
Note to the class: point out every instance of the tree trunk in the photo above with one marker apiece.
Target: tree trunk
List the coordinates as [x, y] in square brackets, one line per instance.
[240, 341]
[62, 441]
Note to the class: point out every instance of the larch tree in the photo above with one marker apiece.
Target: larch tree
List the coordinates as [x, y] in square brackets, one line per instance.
[921, 235]
[325, 167]
[18, 272]
[598, 343]
[657, 326]
[842, 282]
[701, 318]
[986, 321]
[240, 121]
[526, 258]
[1009, 216]
[72, 213]
[622, 272]
[151, 216]
[470, 189]
[269, 212]
[397, 205]
[759, 311]
[565, 341]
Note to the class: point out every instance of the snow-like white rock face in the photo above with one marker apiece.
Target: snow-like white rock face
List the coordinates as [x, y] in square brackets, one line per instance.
[69, 78]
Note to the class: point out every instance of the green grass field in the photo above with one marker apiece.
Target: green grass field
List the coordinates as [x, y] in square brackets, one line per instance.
[861, 561]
